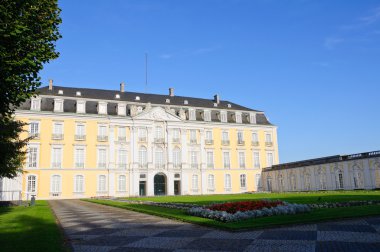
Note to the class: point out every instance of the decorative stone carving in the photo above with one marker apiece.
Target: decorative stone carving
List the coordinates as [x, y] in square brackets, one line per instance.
[133, 109]
[182, 114]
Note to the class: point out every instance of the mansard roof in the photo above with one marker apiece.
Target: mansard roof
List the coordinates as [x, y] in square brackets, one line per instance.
[103, 94]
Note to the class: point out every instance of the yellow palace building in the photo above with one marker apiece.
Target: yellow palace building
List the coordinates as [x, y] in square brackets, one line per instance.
[92, 142]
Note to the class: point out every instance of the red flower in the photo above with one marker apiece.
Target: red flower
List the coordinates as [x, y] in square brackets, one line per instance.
[242, 206]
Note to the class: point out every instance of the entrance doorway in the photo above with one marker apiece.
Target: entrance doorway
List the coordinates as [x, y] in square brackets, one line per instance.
[177, 187]
[159, 184]
[142, 188]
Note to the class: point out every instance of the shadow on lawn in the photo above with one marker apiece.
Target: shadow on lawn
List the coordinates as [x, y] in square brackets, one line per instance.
[29, 233]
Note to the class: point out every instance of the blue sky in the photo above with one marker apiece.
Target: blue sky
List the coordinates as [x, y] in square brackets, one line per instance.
[312, 66]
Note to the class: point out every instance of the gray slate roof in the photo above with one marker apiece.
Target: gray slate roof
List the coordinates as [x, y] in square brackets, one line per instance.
[47, 103]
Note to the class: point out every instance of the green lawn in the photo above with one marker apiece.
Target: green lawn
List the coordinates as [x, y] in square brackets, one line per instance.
[302, 197]
[314, 216]
[29, 229]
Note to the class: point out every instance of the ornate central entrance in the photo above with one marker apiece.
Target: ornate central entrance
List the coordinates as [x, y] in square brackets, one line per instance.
[160, 184]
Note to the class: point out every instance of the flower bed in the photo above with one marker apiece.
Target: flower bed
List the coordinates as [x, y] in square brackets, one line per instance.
[345, 204]
[280, 209]
[244, 206]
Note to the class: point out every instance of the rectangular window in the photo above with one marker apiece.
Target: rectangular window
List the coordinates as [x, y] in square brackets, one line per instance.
[79, 184]
[269, 159]
[209, 135]
[243, 182]
[195, 182]
[225, 136]
[211, 182]
[142, 135]
[122, 183]
[102, 183]
[191, 114]
[32, 157]
[58, 105]
[176, 136]
[255, 138]
[35, 105]
[238, 117]
[210, 159]
[121, 133]
[258, 181]
[56, 157]
[55, 186]
[242, 160]
[227, 181]
[80, 131]
[122, 159]
[252, 118]
[81, 106]
[35, 129]
[58, 128]
[102, 108]
[256, 159]
[79, 157]
[194, 159]
[226, 160]
[223, 116]
[102, 133]
[240, 137]
[102, 158]
[193, 136]
[31, 187]
[207, 115]
[268, 138]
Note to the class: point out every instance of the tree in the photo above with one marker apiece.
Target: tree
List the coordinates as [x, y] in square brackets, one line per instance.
[28, 33]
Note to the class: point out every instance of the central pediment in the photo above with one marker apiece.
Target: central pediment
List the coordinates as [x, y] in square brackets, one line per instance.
[158, 114]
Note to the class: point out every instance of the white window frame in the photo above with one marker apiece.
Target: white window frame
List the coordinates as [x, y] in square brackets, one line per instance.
[35, 192]
[243, 181]
[81, 106]
[99, 186]
[225, 136]
[192, 114]
[194, 159]
[223, 116]
[98, 159]
[193, 135]
[143, 159]
[242, 159]
[76, 161]
[227, 182]
[37, 157]
[252, 118]
[255, 136]
[270, 158]
[54, 188]
[121, 185]
[226, 157]
[75, 190]
[35, 104]
[211, 182]
[121, 109]
[207, 115]
[58, 105]
[122, 158]
[256, 159]
[53, 161]
[194, 182]
[177, 157]
[210, 163]
[32, 128]
[208, 135]
[238, 117]
[159, 159]
[77, 131]
[102, 108]
[240, 137]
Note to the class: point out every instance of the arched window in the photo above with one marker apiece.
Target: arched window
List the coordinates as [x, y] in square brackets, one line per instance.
[177, 157]
[159, 158]
[211, 182]
[102, 183]
[32, 180]
[142, 157]
[79, 183]
[55, 184]
[122, 183]
[227, 181]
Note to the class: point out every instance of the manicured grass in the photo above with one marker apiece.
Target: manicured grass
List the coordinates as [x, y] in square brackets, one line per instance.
[302, 197]
[315, 216]
[29, 229]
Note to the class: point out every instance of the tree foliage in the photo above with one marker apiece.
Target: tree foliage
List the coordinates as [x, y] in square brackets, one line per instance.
[28, 35]
[28, 32]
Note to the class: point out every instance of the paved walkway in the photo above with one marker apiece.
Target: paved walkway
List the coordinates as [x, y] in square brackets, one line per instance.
[93, 227]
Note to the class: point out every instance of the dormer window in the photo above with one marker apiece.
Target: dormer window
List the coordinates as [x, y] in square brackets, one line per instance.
[137, 98]
[167, 100]
[186, 102]
[191, 114]
[238, 117]
[81, 106]
[78, 93]
[58, 105]
[207, 115]
[35, 104]
[117, 96]
[139, 109]
[102, 108]
[229, 105]
[252, 118]
[223, 116]
[121, 109]
[60, 92]
[215, 104]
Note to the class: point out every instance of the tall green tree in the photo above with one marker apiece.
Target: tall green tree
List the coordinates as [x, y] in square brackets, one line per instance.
[28, 35]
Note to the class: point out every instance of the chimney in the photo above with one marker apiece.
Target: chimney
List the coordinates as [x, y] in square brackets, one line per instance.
[171, 91]
[122, 87]
[216, 99]
[50, 84]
